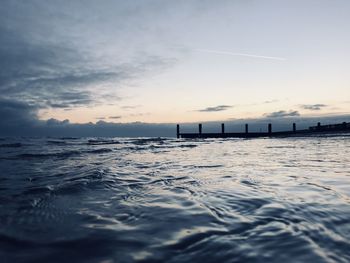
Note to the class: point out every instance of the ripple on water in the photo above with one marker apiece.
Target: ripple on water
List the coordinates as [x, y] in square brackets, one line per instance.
[160, 199]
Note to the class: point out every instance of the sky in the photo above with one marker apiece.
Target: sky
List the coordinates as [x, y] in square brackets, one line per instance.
[92, 63]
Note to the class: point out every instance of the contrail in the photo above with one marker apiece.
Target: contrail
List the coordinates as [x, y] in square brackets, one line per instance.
[238, 54]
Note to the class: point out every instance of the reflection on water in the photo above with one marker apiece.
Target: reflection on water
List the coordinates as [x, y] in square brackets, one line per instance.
[125, 200]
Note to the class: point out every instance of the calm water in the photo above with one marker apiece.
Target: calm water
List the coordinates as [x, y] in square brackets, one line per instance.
[157, 200]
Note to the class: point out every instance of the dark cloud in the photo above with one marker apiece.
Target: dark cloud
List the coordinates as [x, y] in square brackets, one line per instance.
[216, 108]
[14, 112]
[54, 122]
[313, 107]
[115, 117]
[282, 114]
[45, 58]
[46, 74]
[61, 76]
[43, 65]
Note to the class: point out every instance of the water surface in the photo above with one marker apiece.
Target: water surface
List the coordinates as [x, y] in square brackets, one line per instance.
[169, 200]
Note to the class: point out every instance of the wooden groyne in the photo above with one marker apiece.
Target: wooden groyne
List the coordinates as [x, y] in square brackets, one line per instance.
[313, 130]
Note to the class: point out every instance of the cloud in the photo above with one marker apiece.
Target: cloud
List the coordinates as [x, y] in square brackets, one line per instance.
[282, 114]
[130, 107]
[46, 74]
[216, 108]
[61, 76]
[313, 107]
[139, 114]
[43, 43]
[54, 122]
[115, 117]
[14, 113]
[47, 61]
[270, 101]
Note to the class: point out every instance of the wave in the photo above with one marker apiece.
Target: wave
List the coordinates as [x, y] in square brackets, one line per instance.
[148, 140]
[102, 150]
[47, 155]
[11, 145]
[157, 200]
[102, 142]
[57, 142]
[64, 154]
[161, 148]
[281, 147]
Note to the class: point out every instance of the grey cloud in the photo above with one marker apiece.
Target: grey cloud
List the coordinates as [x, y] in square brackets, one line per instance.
[130, 107]
[49, 47]
[43, 69]
[282, 113]
[17, 116]
[115, 117]
[139, 114]
[216, 108]
[49, 75]
[69, 99]
[54, 122]
[13, 112]
[61, 76]
[270, 101]
[313, 107]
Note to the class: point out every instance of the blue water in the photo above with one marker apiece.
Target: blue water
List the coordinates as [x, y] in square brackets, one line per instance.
[169, 200]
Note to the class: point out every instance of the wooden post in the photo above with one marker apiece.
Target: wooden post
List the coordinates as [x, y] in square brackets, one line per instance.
[294, 127]
[246, 128]
[270, 128]
[222, 128]
[200, 129]
[178, 131]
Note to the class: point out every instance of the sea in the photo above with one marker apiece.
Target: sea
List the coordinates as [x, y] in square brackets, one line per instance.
[175, 200]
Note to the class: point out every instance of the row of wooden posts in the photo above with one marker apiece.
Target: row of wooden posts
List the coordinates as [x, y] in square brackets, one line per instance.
[269, 128]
